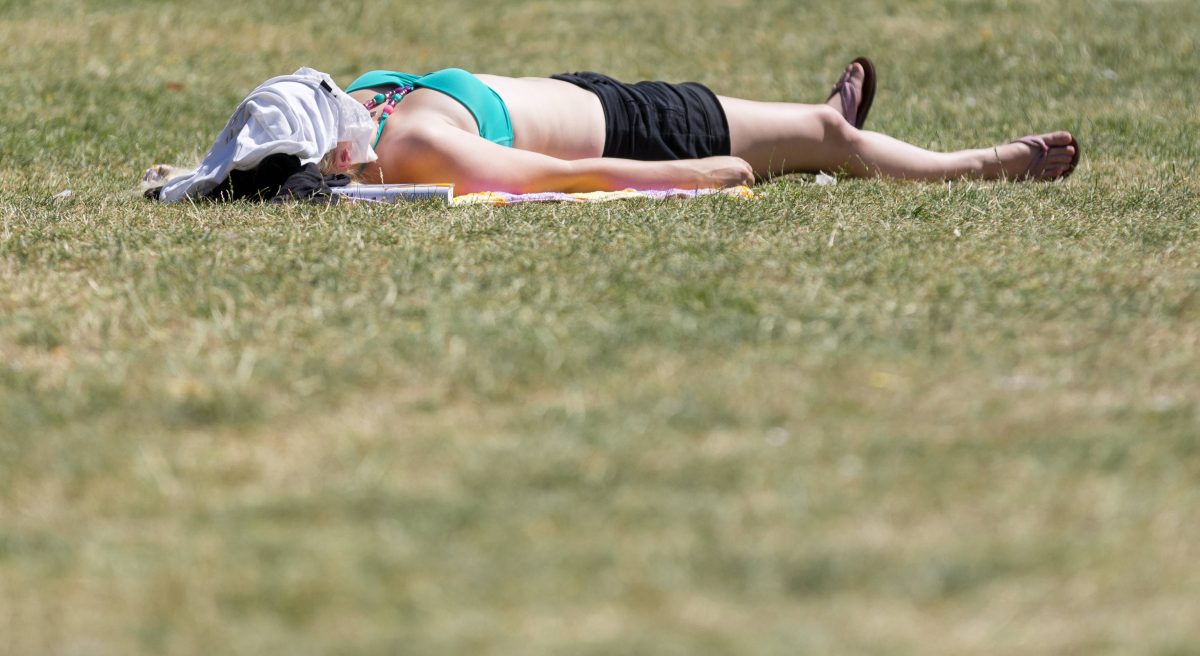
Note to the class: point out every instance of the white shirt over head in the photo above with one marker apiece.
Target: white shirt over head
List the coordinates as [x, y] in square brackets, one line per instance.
[303, 114]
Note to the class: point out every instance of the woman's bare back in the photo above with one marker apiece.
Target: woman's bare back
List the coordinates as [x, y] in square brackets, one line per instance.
[551, 117]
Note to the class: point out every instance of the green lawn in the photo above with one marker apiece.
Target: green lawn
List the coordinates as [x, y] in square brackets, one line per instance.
[877, 417]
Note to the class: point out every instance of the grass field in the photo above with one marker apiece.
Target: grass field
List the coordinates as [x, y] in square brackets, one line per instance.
[874, 418]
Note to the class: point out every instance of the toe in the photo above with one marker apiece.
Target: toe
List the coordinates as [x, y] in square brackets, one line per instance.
[857, 73]
[1060, 155]
[1060, 138]
[1063, 155]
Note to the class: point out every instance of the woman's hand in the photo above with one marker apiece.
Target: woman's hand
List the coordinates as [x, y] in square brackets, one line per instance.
[723, 171]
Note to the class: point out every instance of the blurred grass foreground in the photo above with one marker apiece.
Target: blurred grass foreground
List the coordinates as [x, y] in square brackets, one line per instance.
[866, 418]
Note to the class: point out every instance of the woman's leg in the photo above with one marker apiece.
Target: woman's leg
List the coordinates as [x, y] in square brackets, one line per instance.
[778, 138]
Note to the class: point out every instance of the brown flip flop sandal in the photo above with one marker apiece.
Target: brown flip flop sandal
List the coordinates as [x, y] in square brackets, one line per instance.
[855, 107]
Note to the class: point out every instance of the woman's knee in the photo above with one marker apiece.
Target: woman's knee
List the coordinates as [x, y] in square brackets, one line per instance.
[835, 128]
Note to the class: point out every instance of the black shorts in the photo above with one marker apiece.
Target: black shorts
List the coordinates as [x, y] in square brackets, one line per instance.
[656, 121]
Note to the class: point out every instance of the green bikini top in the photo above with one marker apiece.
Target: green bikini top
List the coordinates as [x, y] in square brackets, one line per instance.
[484, 104]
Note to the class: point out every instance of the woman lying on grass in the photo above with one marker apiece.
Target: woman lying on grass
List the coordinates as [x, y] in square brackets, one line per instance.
[587, 132]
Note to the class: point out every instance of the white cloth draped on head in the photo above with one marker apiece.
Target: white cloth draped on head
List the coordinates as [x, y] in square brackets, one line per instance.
[303, 114]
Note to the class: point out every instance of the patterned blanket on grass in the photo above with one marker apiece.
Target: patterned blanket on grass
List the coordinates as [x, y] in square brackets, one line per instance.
[505, 198]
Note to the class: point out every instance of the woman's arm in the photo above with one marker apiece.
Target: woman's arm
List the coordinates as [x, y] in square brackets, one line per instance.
[435, 153]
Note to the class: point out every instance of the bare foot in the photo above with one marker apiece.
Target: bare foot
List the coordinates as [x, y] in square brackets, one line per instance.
[1026, 159]
[847, 99]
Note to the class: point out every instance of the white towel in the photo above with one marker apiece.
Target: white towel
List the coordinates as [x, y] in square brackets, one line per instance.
[303, 114]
